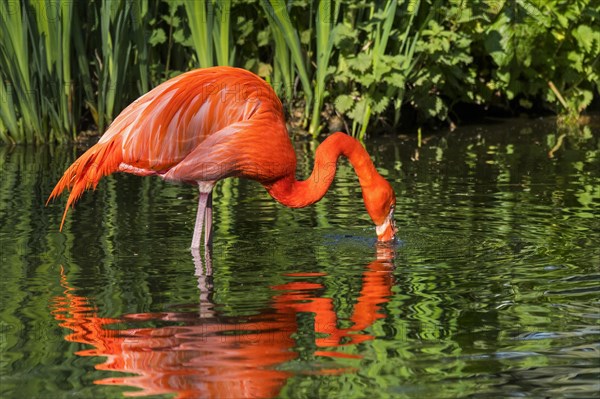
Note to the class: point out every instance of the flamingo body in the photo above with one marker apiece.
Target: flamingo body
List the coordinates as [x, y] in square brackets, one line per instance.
[210, 124]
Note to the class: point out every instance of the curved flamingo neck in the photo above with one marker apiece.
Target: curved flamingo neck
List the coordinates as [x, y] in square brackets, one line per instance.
[297, 194]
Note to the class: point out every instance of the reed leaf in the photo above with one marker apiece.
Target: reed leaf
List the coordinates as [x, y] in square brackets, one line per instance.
[283, 67]
[380, 38]
[325, 37]
[116, 49]
[84, 59]
[16, 74]
[139, 13]
[199, 13]
[8, 120]
[277, 12]
[49, 29]
[224, 50]
[407, 48]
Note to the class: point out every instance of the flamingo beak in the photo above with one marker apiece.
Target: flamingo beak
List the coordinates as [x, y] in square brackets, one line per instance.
[387, 230]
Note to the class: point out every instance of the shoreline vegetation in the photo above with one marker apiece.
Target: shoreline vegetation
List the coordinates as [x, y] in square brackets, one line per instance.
[68, 67]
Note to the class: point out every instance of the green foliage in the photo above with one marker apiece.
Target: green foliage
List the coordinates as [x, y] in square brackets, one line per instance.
[537, 42]
[35, 74]
[69, 66]
[480, 52]
[51, 73]
[371, 73]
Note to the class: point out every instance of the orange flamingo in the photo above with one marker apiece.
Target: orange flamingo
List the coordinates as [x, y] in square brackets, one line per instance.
[210, 124]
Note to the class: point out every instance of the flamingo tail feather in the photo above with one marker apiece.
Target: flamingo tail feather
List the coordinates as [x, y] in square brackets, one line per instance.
[100, 160]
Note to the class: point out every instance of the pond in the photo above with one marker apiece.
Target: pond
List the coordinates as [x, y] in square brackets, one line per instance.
[492, 290]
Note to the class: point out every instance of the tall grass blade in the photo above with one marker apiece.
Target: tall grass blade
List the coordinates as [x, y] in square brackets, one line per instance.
[16, 73]
[116, 48]
[283, 68]
[325, 38]
[139, 12]
[199, 13]
[9, 129]
[381, 34]
[407, 48]
[69, 108]
[277, 9]
[82, 56]
[223, 47]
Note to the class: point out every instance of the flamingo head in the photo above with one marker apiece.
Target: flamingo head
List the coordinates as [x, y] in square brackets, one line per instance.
[380, 202]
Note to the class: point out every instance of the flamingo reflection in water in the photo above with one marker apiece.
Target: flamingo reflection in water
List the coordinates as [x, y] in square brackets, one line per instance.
[210, 355]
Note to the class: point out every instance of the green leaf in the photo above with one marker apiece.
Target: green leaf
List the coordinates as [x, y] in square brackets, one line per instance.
[306, 36]
[344, 36]
[359, 110]
[395, 79]
[525, 103]
[361, 62]
[379, 105]
[575, 60]
[437, 107]
[499, 41]
[158, 37]
[344, 102]
[263, 38]
[382, 67]
[584, 99]
[179, 37]
[172, 20]
[585, 37]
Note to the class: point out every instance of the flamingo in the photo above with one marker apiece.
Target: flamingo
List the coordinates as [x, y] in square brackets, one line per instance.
[209, 124]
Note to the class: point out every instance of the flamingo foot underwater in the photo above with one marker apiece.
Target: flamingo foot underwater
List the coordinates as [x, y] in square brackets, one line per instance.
[209, 124]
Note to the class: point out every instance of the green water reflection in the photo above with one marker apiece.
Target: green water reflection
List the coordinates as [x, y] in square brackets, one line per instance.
[493, 291]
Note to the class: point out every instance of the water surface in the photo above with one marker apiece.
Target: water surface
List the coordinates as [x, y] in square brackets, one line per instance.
[493, 289]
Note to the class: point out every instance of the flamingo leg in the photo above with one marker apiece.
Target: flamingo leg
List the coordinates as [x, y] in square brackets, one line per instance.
[208, 226]
[202, 201]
